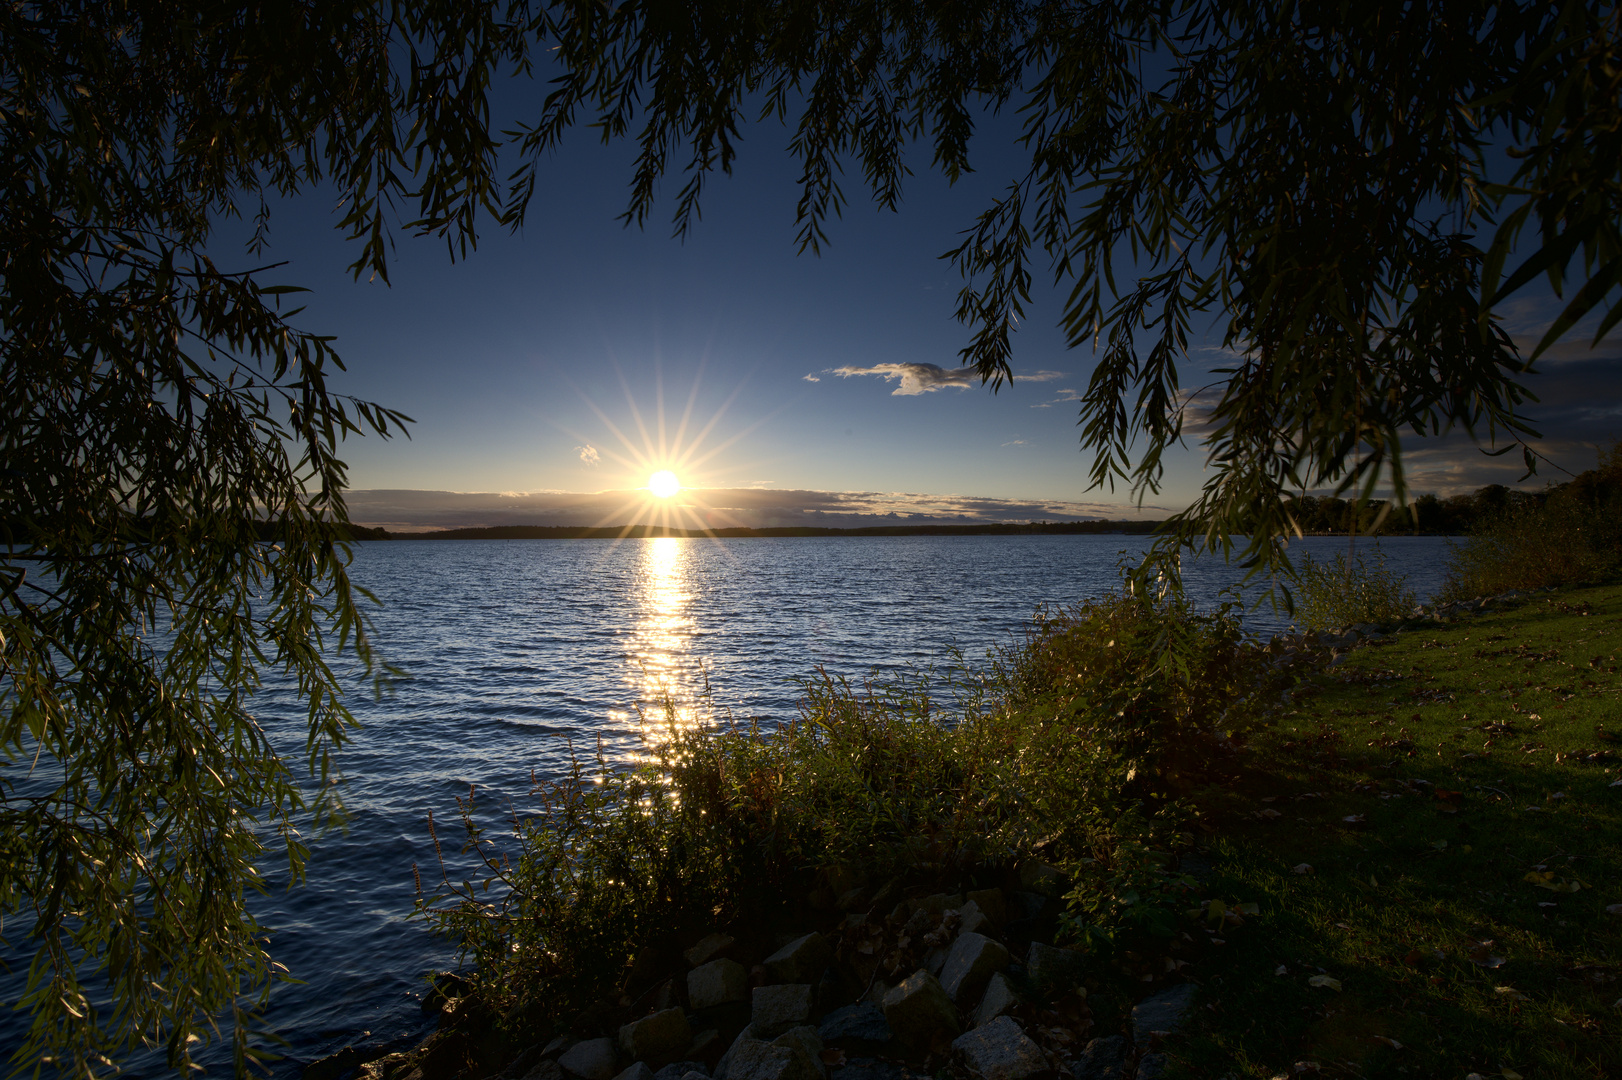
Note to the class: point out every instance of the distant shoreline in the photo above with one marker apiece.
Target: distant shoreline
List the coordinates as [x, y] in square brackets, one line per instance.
[643, 532]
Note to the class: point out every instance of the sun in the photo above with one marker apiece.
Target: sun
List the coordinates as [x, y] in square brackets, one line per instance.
[664, 484]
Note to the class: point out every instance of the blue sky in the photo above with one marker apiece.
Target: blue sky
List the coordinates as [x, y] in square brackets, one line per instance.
[576, 357]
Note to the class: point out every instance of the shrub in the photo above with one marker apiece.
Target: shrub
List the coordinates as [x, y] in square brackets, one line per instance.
[1570, 535]
[1069, 746]
[1343, 592]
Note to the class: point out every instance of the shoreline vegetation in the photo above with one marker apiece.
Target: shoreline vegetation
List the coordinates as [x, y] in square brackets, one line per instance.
[1132, 844]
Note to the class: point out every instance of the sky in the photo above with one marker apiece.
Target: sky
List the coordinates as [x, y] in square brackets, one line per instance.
[551, 372]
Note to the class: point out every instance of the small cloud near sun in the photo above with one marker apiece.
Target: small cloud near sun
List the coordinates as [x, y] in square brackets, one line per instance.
[810, 378]
[1017, 442]
[588, 454]
[914, 379]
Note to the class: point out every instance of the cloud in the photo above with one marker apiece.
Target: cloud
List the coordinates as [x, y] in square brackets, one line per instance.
[1017, 442]
[1065, 396]
[810, 378]
[589, 454]
[717, 508]
[914, 379]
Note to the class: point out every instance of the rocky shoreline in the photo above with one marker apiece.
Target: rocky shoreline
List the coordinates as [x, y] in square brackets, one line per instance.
[899, 990]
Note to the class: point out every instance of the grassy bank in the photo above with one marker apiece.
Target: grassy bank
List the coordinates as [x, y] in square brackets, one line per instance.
[1451, 790]
[1395, 861]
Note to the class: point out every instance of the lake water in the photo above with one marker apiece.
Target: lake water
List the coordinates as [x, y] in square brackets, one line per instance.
[509, 647]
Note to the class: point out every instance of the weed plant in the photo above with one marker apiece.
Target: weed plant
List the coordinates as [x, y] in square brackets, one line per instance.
[1572, 535]
[1073, 745]
[1344, 591]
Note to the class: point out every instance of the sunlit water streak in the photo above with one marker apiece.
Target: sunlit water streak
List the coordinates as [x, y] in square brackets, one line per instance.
[514, 648]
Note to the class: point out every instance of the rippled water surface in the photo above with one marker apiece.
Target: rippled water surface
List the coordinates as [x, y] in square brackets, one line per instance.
[509, 646]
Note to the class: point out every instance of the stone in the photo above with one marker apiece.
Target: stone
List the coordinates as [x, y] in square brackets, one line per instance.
[1162, 1013]
[694, 1074]
[805, 1039]
[937, 905]
[708, 948]
[705, 1045]
[753, 1059]
[919, 1013]
[678, 1069]
[637, 1071]
[658, 1039]
[991, 902]
[856, 1029]
[1026, 905]
[800, 961]
[746, 1035]
[868, 1069]
[1001, 1051]
[1151, 1067]
[778, 1008]
[935, 960]
[592, 1059]
[1046, 966]
[1103, 1059]
[969, 966]
[1041, 878]
[717, 983]
[971, 920]
[851, 900]
[998, 999]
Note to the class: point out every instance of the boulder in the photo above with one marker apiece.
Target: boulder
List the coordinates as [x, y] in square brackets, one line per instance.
[937, 905]
[637, 1071]
[1000, 1050]
[1161, 1014]
[592, 1059]
[705, 1045]
[678, 1069]
[935, 960]
[717, 983]
[752, 1059]
[708, 948]
[800, 961]
[1103, 1059]
[919, 1013]
[991, 902]
[1151, 1067]
[778, 1008]
[856, 1029]
[973, 959]
[805, 1039]
[971, 920]
[658, 1039]
[998, 999]
[1047, 967]
[868, 1069]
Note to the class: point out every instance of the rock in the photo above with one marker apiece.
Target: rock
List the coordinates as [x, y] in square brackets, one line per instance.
[1162, 1013]
[593, 1059]
[1103, 1059]
[1151, 1067]
[1050, 967]
[992, 903]
[937, 905]
[971, 920]
[778, 1008]
[708, 948]
[403, 1066]
[935, 960]
[800, 961]
[705, 1045]
[805, 1039]
[850, 901]
[919, 923]
[717, 983]
[919, 1013]
[1026, 905]
[694, 1074]
[998, 999]
[637, 1071]
[1001, 1051]
[856, 1029]
[753, 1059]
[678, 1069]
[868, 1069]
[746, 1035]
[970, 965]
[658, 1039]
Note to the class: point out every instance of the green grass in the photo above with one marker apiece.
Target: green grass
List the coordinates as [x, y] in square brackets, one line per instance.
[1512, 712]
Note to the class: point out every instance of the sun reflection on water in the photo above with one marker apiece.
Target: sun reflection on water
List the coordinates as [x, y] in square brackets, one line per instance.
[663, 672]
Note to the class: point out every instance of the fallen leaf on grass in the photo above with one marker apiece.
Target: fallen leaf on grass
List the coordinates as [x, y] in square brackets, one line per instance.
[1512, 993]
[1613, 909]
[1354, 820]
[1324, 981]
[1301, 868]
[1481, 955]
[1281, 970]
[1393, 1043]
[1548, 880]
[1509, 1074]
[1413, 958]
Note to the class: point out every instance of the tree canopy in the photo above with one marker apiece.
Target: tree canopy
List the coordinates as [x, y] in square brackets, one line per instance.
[1348, 190]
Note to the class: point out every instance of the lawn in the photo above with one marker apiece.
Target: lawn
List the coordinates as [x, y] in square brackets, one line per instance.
[1433, 839]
